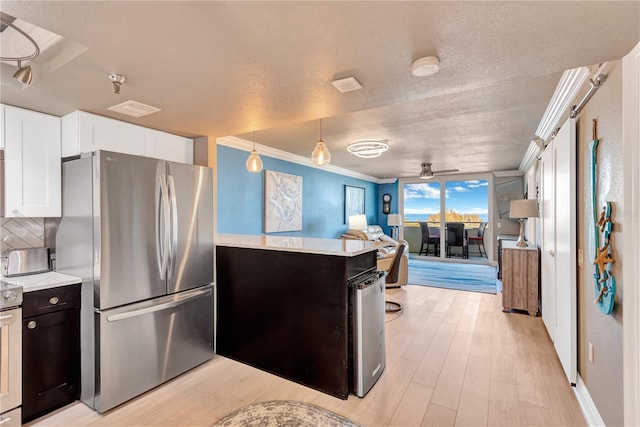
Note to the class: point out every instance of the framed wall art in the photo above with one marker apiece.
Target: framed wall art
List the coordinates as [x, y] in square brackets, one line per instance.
[353, 201]
[282, 202]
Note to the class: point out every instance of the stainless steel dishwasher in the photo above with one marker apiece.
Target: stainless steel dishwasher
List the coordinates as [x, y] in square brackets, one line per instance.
[367, 330]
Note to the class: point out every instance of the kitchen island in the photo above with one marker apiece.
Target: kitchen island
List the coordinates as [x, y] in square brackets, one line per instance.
[283, 305]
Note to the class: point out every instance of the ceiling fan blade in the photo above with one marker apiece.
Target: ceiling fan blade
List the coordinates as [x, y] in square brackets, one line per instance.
[446, 171]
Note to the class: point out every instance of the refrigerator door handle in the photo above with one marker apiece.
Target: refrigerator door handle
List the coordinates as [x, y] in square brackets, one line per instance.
[162, 229]
[159, 306]
[173, 248]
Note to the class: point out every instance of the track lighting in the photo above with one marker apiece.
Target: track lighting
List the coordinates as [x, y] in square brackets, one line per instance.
[24, 74]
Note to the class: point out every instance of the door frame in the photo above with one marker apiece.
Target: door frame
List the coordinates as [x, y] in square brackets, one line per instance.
[490, 234]
[631, 270]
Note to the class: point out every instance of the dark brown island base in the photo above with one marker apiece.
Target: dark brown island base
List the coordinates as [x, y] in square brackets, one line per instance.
[283, 305]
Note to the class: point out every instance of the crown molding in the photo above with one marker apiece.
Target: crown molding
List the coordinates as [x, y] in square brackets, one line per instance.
[263, 150]
[566, 91]
[502, 174]
[535, 148]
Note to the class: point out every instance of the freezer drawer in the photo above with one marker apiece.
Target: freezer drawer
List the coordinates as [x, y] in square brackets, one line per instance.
[145, 344]
[368, 331]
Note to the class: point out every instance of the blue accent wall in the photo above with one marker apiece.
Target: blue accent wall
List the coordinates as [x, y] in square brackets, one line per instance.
[393, 190]
[240, 196]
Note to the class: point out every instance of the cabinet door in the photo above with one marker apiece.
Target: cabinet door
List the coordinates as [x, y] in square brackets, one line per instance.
[32, 164]
[50, 362]
[103, 133]
[165, 146]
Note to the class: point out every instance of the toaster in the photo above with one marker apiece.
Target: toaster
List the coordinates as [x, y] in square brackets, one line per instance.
[20, 262]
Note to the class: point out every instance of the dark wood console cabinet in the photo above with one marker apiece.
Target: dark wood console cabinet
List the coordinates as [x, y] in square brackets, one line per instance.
[50, 350]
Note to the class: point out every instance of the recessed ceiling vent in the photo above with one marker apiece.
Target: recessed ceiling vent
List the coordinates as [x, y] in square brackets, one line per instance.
[134, 108]
[347, 84]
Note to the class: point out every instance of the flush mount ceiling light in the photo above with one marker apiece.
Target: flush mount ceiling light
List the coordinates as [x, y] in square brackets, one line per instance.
[321, 155]
[368, 149]
[254, 162]
[24, 74]
[425, 66]
[348, 84]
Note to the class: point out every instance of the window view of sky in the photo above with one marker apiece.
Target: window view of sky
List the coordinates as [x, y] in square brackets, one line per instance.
[464, 197]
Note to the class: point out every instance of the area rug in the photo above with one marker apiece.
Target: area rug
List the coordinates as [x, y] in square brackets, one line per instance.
[288, 413]
[451, 275]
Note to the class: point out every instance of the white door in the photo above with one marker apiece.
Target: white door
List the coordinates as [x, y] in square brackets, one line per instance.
[565, 335]
[559, 306]
[547, 250]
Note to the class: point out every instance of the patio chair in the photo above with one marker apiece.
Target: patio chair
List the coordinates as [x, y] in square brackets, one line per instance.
[478, 240]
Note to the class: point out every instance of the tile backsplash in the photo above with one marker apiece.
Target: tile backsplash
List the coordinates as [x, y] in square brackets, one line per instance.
[20, 233]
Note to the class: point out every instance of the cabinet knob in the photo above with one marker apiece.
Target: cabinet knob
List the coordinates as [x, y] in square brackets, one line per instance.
[32, 324]
[552, 253]
[53, 300]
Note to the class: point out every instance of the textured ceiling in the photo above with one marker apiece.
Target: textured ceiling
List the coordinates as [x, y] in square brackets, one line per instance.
[230, 68]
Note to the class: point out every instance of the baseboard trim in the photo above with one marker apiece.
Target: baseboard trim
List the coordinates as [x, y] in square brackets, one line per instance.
[589, 410]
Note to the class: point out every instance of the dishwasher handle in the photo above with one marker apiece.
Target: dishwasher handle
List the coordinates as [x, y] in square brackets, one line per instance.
[368, 281]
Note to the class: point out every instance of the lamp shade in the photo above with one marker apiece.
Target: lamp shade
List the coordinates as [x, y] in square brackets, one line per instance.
[357, 222]
[394, 220]
[525, 208]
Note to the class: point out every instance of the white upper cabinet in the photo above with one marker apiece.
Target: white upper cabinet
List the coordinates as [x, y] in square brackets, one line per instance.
[85, 132]
[32, 163]
[166, 146]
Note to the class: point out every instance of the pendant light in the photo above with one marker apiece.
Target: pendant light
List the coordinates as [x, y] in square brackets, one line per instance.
[254, 162]
[321, 155]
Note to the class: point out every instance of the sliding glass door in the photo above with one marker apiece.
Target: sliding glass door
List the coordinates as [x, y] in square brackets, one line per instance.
[446, 218]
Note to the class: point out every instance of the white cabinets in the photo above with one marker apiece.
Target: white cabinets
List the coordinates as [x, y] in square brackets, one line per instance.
[32, 163]
[85, 132]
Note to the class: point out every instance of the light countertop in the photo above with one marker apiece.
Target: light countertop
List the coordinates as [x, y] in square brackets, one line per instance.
[510, 244]
[311, 245]
[37, 282]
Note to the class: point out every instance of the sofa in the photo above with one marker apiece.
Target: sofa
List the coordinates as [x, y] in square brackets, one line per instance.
[386, 254]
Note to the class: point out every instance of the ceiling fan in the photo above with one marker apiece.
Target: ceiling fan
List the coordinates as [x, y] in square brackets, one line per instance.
[427, 173]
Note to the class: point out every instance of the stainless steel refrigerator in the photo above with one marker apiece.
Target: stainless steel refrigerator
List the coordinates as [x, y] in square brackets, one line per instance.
[139, 232]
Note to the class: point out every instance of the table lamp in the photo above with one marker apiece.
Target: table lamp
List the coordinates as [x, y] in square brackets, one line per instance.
[521, 209]
[357, 222]
[394, 221]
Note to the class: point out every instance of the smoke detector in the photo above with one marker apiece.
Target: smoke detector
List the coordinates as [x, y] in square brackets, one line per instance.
[425, 66]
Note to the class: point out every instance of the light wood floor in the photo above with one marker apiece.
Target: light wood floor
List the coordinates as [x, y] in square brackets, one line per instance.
[453, 358]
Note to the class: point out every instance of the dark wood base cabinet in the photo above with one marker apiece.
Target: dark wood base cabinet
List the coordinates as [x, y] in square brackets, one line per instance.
[50, 350]
[288, 313]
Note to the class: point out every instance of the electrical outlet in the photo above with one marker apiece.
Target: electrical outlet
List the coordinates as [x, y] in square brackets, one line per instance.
[580, 257]
[590, 352]
[499, 224]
